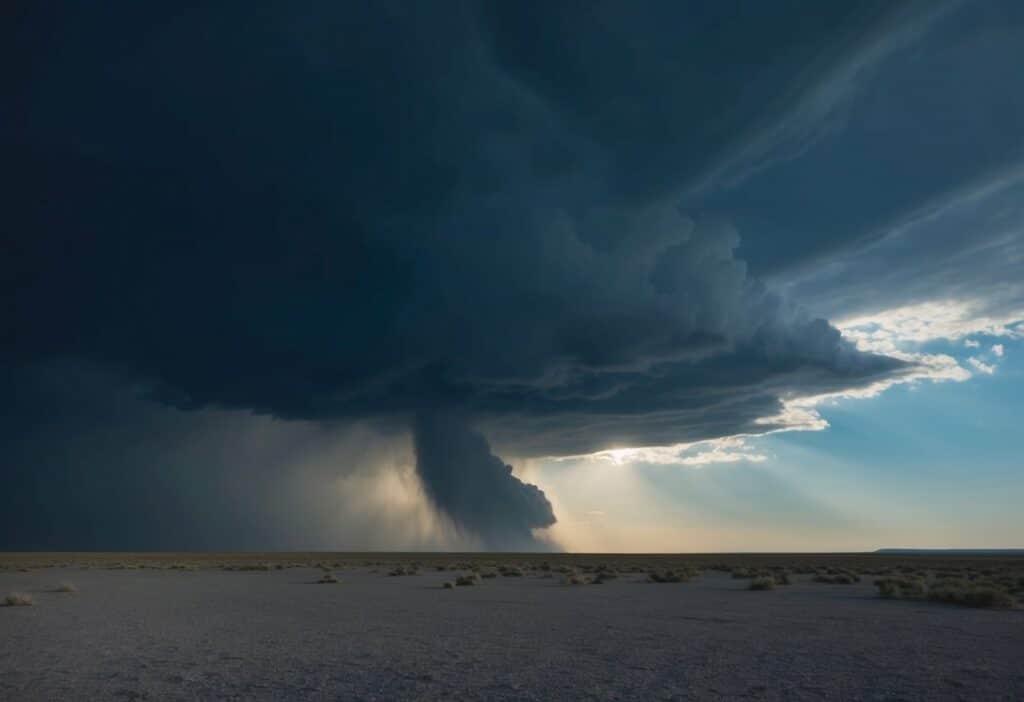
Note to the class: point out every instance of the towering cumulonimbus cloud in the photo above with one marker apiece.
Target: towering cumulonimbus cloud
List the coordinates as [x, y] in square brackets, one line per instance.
[476, 488]
[352, 212]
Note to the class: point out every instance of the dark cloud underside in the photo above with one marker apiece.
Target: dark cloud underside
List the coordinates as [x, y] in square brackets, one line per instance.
[327, 211]
[550, 220]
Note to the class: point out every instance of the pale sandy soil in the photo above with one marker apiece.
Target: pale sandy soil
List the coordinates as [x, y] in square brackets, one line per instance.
[211, 634]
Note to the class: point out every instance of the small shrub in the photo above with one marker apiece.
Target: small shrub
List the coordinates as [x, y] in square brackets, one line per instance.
[448, 585]
[467, 580]
[327, 579]
[249, 567]
[404, 570]
[670, 576]
[763, 582]
[67, 587]
[900, 588]
[17, 599]
[837, 579]
[970, 594]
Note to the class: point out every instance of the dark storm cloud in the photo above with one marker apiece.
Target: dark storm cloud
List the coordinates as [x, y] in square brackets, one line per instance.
[329, 212]
[465, 480]
[90, 464]
[934, 116]
[511, 213]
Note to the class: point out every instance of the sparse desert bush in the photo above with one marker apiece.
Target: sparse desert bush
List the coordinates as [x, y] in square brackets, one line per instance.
[67, 587]
[763, 582]
[248, 566]
[511, 571]
[448, 585]
[18, 599]
[403, 570]
[782, 578]
[467, 580]
[488, 574]
[327, 579]
[900, 588]
[575, 580]
[970, 594]
[837, 579]
[671, 576]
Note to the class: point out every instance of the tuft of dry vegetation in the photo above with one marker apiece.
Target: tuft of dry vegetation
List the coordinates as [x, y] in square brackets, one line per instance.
[968, 594]
[679, 575]
[18, 599]
[448, 585]
[327, 579]
[763, 582]
[901, 588]
[837, 576]
[404, 570]
[467, 580]
[67, 587]
[248, 566]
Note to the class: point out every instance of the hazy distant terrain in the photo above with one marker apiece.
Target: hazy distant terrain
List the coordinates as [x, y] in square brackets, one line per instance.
[185, 626]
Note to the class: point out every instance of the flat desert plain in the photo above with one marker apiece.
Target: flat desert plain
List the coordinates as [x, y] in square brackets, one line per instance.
[543, 627]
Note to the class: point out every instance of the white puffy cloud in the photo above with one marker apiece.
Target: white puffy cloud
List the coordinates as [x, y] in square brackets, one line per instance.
[981, 366]
[998, 350]
[733, 449]
[888, 331]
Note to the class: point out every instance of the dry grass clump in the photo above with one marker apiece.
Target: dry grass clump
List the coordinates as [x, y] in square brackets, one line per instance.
[404, 570]
[837, 576]
[327, 579]
[511, 571]
[604, 576]
[970, 594]
[248, 566]
[680, 575]
[18, 599]
[575, 579]
[67, 587]
[467, 580]
[763, 582]
[901, 588]
[448, 585]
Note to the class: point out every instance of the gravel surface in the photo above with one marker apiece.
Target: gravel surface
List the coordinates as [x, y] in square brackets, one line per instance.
[212, 634]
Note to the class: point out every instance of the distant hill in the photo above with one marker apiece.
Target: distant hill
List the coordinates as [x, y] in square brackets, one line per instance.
[953, 551]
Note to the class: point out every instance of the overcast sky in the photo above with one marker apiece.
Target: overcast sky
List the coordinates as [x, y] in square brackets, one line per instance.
[656, 276]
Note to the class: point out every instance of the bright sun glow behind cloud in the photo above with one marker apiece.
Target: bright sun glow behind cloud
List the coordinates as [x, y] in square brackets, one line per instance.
[901, 332]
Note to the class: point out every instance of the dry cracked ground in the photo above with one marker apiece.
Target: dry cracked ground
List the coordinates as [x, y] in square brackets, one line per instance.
[265, 629]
